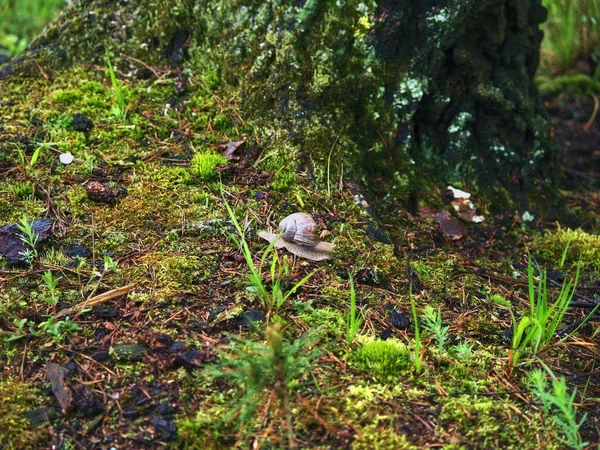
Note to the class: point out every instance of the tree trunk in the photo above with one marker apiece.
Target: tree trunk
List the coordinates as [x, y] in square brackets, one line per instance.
[398, 90]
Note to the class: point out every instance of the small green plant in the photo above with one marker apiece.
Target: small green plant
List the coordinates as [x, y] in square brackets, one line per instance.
[51, 285]
[559, 404]
[432, 323]
[417, 358]
[353, 320]
[464, 351]
[20, 332]
[274, 299]
[204, 164]
[58, 330]
[257, 368]
[110, 265]
[533, 332]
[29, 238]
[119, 108]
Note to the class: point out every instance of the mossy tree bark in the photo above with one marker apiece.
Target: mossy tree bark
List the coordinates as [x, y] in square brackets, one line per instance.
[398, 89]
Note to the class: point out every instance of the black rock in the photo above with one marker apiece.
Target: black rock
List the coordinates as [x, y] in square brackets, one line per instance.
[77, 251]
[85, 401]
[12, 246]
[399, 319]
[82, 123]
[105, 311]
[163, 409]
[131, 413]
[176, 347]
[251, 316]
[193, 359]
[166, 428]
[386, 334]
[41, 415]
[100, 356]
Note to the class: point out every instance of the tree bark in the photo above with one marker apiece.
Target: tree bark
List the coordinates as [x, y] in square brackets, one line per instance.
[401, 91]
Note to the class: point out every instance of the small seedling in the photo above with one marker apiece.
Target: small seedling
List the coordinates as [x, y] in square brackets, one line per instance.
[256, 368]
[557, 402]
[51, 285]
[119, 108]
[353, 320]
[432, 322]
[58, 330]
[534, 332]
[417, 359]
[29, 238]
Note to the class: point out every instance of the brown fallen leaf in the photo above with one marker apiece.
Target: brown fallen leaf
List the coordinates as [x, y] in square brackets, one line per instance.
[231, 148]
[449, 225]
[57, 375]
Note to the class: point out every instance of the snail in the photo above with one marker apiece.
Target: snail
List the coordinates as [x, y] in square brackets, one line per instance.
[299, 235]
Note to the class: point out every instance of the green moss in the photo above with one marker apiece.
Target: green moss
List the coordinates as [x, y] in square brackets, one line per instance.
[330, 321]
[16, 399]
[65, 97]
[204, 164]
[580, 244]
[482, 422]
[578, 83]
[284, 179]
[381, 435]
[386, 358]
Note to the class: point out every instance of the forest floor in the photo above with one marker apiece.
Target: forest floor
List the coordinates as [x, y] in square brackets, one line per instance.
[129, 322]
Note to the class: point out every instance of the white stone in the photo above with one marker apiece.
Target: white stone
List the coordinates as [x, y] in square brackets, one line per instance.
[66, 158]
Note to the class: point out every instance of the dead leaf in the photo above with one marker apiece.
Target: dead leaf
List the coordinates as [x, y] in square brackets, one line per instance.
[449, 224]
[231, 148]
[57, 375]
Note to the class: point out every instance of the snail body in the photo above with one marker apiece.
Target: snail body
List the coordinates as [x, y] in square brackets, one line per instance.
[300, 236]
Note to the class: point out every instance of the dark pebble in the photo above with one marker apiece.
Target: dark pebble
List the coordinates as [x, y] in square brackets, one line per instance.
[400, 319]
[177, 347]
[41, 415]
[100, 356]
[131, 413]
[193, 359]
[82, 123]
[85, 401]
[12, 246]
[386, 334]
[166, 428]
[163, 409]
[251, 316]
[77, 251]
[105, 311]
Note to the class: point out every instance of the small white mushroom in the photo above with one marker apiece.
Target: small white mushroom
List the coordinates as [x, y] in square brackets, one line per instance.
[300, 236]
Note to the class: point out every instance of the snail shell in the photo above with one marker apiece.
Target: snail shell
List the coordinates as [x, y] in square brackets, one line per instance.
[300, 236]
[300, 228]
